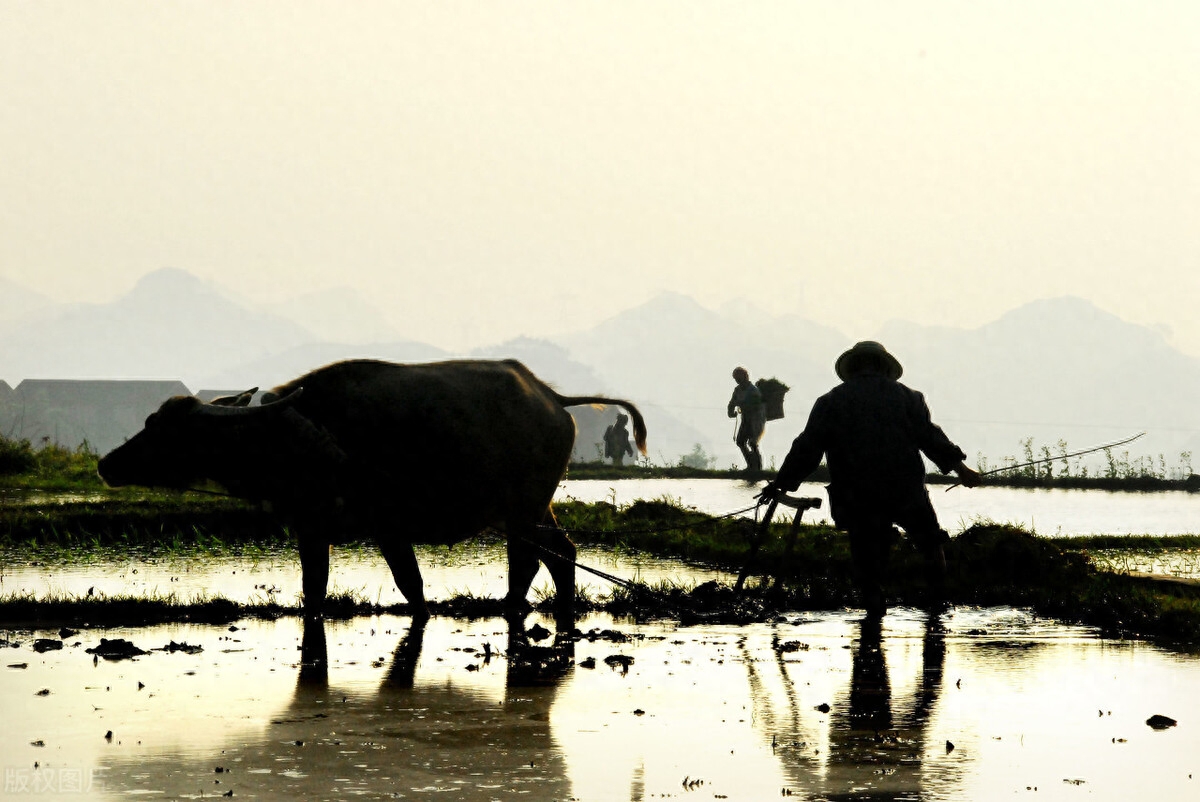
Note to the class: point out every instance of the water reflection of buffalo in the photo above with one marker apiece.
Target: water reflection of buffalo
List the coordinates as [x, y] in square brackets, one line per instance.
[439, 736]
[430, 453]
[454, 734]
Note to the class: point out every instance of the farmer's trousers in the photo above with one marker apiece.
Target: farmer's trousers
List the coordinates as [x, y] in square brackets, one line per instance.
[872, 530]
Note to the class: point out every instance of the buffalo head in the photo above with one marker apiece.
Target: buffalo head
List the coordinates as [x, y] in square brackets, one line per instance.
[186, 441]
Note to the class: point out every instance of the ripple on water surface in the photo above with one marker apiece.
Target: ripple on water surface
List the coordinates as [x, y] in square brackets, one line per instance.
[971, 704]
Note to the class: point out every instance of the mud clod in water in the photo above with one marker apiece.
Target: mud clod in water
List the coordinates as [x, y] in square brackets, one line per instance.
[115, 649]
[621, 661]
[610, 635]
[792, 646]
[42, 645]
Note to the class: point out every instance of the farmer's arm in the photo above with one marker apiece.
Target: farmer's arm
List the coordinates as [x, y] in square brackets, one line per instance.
[807, 450]
[932, 441]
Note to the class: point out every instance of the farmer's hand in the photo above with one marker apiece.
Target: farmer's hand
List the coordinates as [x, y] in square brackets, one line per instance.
[967, 476]
[769, 493]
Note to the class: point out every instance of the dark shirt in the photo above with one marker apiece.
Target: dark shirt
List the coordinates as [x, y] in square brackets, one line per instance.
[872, 431]
[748, 398]
[617, 440]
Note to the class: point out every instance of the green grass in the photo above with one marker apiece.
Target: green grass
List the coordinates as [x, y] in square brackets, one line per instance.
[160, 521]
[49, 467]
[990, 565]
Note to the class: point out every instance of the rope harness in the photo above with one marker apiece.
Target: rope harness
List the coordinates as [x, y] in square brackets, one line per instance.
[616, 580]
[707, 519]
[760, 532]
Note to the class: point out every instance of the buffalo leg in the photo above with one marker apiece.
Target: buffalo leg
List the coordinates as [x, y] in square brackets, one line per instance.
[562, 569]
[314, 567]
[403, 562]
[522, 568]
[558, 553]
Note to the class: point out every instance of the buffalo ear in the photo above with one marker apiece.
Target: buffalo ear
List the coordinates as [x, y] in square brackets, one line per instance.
[240, 400]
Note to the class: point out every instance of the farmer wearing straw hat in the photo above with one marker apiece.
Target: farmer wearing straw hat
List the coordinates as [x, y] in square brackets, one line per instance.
[872, 431]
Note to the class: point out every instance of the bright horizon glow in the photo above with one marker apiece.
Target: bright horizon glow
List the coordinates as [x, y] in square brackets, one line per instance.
[482, 172]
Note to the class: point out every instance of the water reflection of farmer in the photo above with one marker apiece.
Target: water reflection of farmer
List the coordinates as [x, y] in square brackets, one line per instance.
[747, 398]
[872, 430]
[871, 731]
[872, 736]
[616, 440]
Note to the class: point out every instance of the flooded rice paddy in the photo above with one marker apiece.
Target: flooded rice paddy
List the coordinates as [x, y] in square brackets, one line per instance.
[1051, 512]
[968, 703]
[257, 575]
[971, 704]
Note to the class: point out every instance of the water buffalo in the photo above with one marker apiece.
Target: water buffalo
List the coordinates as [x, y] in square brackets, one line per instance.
[425, 453]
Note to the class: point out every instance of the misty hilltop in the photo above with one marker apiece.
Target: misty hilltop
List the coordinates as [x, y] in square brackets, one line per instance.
[1051, 370]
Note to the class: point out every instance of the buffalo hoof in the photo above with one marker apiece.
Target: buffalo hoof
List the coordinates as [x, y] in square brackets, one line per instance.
[519, 606]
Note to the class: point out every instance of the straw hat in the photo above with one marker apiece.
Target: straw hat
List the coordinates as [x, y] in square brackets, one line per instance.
[847, 363]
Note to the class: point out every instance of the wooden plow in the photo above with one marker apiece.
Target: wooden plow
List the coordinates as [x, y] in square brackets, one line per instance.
[763, 530]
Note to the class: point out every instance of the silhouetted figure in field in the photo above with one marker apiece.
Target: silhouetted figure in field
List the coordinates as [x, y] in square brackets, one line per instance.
[748, 400]
[872, 431]
[616, 440]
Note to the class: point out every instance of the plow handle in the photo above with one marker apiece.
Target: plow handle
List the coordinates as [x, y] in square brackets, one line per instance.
[797, 503]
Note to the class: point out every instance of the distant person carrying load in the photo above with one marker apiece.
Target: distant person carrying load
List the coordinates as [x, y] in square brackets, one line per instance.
[872, 430]
[748, 399]
[616, 440]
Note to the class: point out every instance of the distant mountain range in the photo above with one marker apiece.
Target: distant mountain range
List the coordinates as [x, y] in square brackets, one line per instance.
[1057, 369]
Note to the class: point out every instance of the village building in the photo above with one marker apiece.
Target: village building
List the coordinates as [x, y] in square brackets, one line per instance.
[69, 413]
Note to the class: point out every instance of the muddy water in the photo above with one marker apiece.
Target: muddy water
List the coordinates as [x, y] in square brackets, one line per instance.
[816, 706]
[475, 567]
[973, 704]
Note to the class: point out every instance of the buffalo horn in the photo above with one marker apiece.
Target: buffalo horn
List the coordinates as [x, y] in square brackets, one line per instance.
[239, 400]
[217, 410]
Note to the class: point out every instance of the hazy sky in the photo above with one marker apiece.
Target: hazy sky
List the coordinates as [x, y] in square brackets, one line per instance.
[484, 169]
